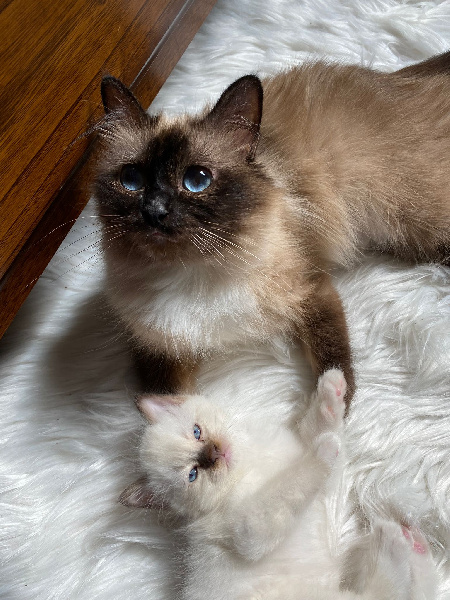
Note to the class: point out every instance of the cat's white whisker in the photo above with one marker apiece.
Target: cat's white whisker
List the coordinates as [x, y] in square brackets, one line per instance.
[224, 244]
[211, 250]
[260, 238]
[87, 260]
[230, 243]
[95, 232]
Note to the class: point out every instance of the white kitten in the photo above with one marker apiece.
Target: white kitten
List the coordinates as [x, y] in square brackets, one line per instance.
[248, 509]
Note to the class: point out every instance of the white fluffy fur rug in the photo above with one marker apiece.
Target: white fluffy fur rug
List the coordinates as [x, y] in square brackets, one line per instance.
[69, 428]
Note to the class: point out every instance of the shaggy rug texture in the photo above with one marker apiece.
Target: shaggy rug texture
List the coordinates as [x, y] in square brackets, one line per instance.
[69, 427]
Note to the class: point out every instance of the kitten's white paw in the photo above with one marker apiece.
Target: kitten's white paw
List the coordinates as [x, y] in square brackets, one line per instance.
[423, 568]
[407, 551]
[399, 539]
[392, 543]
[392, 557]
[331, 389]
[327, 447]
[416, 539]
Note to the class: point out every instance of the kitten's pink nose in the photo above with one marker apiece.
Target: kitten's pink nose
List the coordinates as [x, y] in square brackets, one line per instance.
[221, 451]
[210, 453]
[215, 452]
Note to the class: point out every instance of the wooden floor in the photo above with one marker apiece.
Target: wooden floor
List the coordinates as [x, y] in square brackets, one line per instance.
[53, 55]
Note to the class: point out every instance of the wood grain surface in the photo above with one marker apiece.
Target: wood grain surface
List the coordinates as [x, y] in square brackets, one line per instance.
[53, 57]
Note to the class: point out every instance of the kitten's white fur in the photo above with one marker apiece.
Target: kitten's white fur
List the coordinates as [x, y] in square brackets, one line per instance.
[252, 527]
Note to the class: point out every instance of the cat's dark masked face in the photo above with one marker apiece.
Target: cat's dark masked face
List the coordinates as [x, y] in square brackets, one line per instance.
[179, 187]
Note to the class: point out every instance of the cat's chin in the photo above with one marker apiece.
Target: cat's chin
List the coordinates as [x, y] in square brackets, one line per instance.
[151, 243]
[160, 238]
[158, 246]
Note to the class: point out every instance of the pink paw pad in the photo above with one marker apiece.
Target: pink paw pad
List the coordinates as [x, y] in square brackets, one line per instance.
[419, 544]
[334, 382]
[339, 387]
[331, 389]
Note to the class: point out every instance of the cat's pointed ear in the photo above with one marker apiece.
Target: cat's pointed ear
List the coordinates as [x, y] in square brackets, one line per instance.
[117, 98]
[152, 407]
[138, 495]
[239, 111]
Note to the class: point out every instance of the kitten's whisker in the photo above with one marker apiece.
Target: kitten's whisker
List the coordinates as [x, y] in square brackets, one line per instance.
[213, 248]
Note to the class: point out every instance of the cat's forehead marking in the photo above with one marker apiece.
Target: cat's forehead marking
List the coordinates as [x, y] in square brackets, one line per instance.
[167, 147]
[185, 138]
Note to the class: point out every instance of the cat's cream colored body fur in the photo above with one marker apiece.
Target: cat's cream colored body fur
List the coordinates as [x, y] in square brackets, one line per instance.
[366, 154]
[308, 169]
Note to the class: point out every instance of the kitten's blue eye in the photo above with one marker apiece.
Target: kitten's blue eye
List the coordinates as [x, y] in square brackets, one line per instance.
[193, 474]
[132, 178]
[197, 179]
[197, 432]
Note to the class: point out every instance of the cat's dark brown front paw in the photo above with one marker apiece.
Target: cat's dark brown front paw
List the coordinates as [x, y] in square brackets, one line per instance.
[323, 331]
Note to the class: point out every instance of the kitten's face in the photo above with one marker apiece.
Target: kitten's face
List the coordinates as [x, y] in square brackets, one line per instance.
[176, 187]
[189, 453]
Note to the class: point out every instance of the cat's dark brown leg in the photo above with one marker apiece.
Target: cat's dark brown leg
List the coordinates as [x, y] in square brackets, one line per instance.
[162, 374]
[443, 253]
[323, 332]
[439, 64]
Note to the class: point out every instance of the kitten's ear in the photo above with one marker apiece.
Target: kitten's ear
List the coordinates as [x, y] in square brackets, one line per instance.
[138, 495]
[239, 110]
[117, 98]
[152, 407]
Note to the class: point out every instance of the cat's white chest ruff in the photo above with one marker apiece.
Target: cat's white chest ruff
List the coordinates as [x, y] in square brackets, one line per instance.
[190, 308]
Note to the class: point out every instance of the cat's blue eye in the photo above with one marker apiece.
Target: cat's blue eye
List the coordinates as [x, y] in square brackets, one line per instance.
[197, 179]
[193, 474]
[132, 178]
[197, 432]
